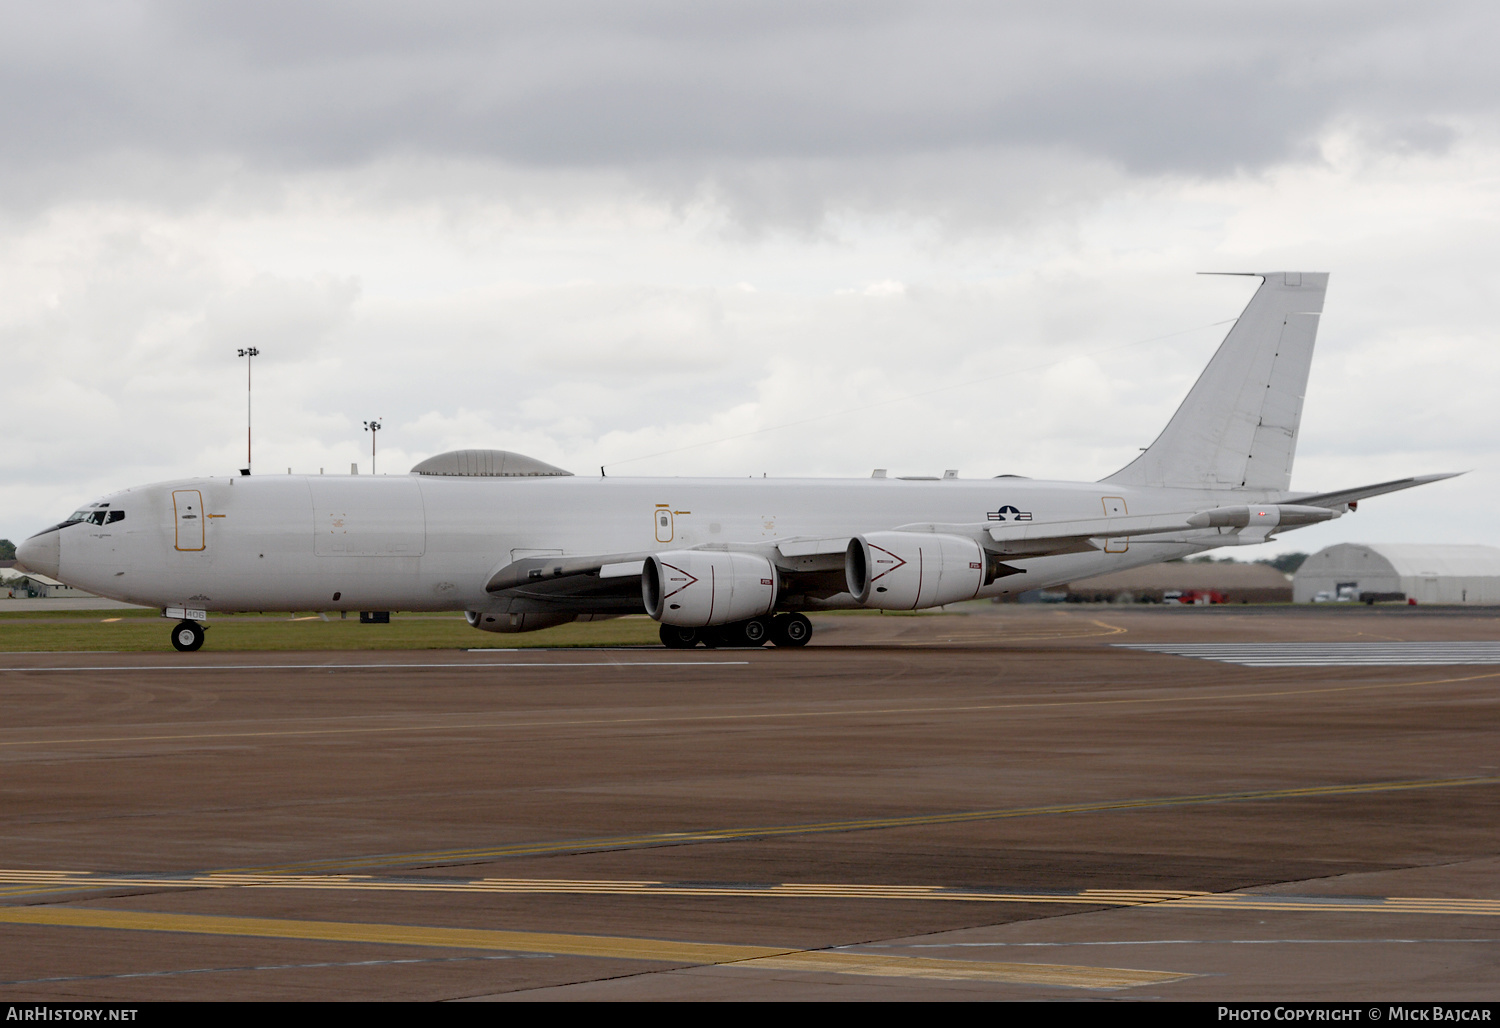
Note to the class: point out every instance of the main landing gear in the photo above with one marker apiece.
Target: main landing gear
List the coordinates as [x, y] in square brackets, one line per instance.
[783, 630]
[187, 636]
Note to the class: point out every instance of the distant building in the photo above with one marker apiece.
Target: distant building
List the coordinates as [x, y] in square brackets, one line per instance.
[1400, 571]
[16, 585]
[1218, 582]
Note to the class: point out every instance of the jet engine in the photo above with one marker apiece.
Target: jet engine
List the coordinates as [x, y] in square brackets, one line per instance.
[910, 570]
[697, 588]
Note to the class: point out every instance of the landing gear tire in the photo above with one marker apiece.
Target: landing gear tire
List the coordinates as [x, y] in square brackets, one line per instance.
[755, 632]
[675, 638]
[791, 630]
[752, 633]
[187, 636]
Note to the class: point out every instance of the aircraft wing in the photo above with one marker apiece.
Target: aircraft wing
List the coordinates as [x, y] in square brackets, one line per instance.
[1343, 496]
[531, 572]
[803, 555]
[551, 574]
[614, 578]
[1029, 539]
[1047, 538]
[573, 575]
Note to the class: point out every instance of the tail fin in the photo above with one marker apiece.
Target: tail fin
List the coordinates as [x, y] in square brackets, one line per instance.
[1237, 429]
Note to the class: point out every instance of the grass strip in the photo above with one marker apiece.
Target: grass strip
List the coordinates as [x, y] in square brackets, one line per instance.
[250, 633]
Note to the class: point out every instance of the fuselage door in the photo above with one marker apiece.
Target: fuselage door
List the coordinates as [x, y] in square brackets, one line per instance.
[188, 504]
[664, 524]
[1114, 507]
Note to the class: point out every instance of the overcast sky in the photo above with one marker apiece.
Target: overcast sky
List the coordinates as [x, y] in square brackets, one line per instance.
[739, 238]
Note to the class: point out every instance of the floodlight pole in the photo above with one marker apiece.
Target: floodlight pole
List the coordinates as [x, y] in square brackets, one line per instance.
[372, 427]
[249, 354]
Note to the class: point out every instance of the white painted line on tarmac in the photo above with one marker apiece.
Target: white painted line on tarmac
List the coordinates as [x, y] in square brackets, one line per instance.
[1336, 654]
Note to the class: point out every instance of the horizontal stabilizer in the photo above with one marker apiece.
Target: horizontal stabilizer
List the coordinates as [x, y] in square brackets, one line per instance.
[1343, 496]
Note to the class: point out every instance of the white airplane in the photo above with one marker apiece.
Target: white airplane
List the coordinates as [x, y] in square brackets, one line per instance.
[520, 545]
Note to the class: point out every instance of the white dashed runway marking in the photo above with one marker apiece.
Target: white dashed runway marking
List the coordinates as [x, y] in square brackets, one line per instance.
[1329, 654]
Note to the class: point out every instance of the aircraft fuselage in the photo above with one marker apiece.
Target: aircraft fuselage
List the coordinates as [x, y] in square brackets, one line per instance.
[521, 545]
[412, 542]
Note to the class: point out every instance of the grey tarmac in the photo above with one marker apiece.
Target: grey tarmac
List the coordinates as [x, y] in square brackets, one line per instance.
[996, 804]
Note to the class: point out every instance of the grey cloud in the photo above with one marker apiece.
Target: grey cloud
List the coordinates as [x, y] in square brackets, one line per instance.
[1163, 87]
[300, 316]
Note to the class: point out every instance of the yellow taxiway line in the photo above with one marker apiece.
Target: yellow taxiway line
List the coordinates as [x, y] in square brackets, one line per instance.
[601, 946]
[527, 849]
[44, 882]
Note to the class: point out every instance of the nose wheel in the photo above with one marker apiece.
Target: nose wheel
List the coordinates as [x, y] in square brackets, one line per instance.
[187, 636]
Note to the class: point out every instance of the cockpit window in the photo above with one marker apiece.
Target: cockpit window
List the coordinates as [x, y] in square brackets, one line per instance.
[95, 514]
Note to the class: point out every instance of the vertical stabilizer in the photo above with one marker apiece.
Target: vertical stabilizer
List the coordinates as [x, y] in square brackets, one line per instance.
[1237, 429]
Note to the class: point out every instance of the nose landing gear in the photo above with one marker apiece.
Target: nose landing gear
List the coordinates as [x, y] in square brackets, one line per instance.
[187, 636]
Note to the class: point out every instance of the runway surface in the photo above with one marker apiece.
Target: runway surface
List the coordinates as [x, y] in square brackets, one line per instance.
[1430, 654]
[1000, 804]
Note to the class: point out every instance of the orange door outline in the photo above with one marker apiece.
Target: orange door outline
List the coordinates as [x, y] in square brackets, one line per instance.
[187, 507]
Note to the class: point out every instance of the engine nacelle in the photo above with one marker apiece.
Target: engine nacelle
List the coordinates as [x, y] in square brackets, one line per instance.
[910, 570]
[1269, 515]
[698, 588]
[528, 621]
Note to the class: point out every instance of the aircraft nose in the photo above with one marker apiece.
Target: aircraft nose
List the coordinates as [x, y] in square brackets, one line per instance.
[40, 554]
